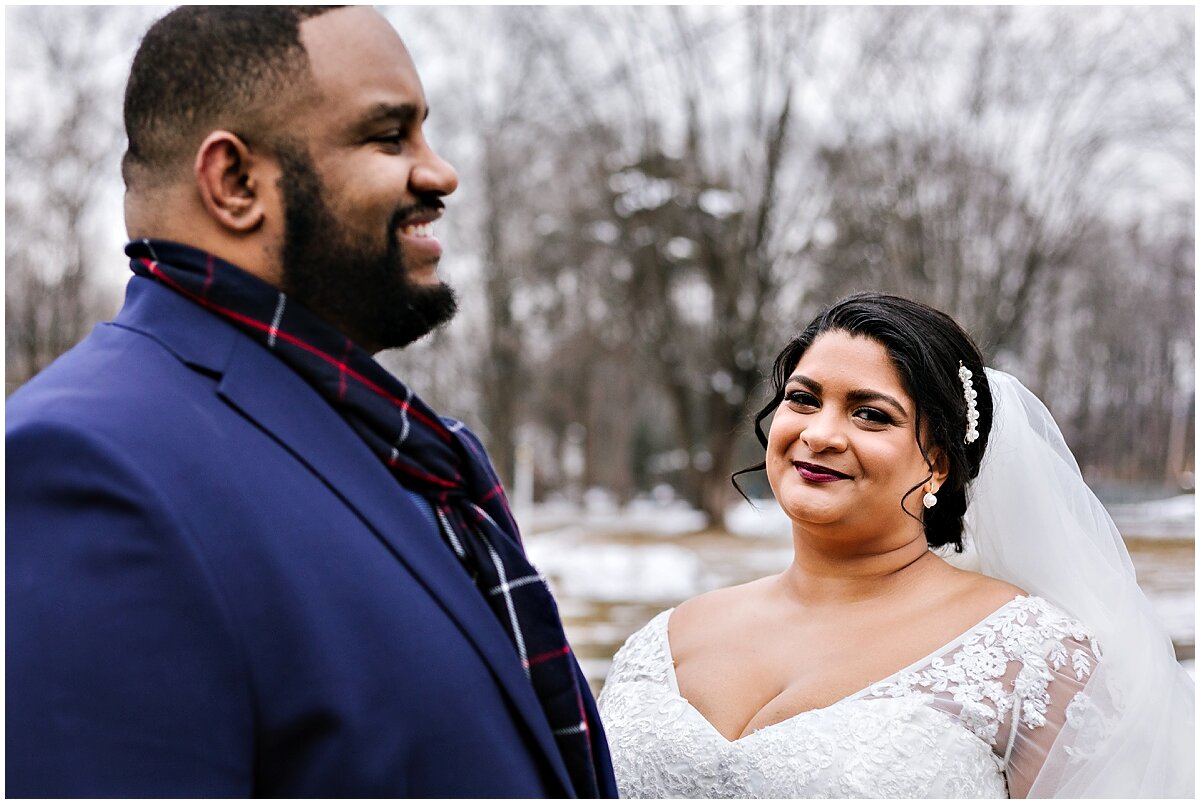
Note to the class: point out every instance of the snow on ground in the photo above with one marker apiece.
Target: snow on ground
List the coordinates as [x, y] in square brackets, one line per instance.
[600, 514]
[762, 518]
[1172, 518]
[615, 573]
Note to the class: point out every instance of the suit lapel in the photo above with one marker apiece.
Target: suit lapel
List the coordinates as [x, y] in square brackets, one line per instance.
[281, 403]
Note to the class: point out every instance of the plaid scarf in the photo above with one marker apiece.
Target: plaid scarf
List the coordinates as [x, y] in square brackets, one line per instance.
[435, 457]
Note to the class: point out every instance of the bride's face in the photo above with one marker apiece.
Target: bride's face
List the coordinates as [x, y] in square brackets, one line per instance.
[842, 448]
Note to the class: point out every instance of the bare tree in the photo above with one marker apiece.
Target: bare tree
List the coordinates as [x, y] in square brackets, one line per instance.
[664, 194]
[1006, 198]
[654, 199]
[63, 140]
[700, 124]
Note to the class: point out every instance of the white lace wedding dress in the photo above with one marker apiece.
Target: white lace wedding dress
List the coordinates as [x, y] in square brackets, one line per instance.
[972, 720]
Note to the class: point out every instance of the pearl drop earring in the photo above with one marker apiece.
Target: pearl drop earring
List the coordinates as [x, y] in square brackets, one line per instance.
[929, 500]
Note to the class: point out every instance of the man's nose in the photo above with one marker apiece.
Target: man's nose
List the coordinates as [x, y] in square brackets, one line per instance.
[433, 175]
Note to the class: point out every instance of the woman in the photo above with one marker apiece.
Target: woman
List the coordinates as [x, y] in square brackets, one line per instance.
[871, 667]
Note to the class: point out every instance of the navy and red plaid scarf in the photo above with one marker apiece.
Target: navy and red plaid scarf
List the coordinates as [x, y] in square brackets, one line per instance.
[434, 457]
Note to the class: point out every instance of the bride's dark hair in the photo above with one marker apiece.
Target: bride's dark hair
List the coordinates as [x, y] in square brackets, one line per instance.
[925, 346]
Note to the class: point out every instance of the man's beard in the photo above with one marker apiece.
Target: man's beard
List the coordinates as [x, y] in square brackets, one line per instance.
[362, 290]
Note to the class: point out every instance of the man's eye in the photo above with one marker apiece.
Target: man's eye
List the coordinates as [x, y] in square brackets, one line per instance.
[390, 137]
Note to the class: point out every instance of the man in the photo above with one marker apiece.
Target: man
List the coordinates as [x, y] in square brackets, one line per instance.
[242, 558]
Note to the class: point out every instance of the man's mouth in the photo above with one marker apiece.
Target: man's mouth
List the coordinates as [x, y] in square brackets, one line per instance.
[415, 227]
[417, 220]
[418, 230]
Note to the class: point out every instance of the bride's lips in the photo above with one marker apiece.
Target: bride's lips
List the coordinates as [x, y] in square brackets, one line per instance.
[815, 473]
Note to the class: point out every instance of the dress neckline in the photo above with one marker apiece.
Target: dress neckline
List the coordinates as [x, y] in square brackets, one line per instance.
[673, 680]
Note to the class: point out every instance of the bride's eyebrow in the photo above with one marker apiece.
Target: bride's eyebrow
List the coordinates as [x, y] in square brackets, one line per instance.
[867, 395]
[800, 378]
[858, 395]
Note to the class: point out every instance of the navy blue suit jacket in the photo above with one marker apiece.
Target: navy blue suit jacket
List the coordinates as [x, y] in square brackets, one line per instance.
[214, 588]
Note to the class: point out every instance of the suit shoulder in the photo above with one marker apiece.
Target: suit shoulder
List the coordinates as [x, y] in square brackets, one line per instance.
[115, 378]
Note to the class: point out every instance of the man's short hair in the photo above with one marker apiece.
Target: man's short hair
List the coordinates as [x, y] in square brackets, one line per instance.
[201, 68]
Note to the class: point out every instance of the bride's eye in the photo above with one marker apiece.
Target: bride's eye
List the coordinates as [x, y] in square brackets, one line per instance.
[801, 398]
[873, 415]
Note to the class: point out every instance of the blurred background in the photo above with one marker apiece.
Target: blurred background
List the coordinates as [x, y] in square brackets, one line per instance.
[653, 200]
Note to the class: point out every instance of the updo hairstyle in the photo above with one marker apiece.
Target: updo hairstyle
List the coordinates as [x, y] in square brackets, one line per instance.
[925, 346]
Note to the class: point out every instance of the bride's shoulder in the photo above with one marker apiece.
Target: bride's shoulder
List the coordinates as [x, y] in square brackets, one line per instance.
[985, 594]
[694, 613]
[714, 607]
[973, 596]
[991, 594]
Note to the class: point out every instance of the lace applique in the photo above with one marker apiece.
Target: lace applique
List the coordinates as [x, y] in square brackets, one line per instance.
[1090, 725]
[938, 729]
[1077, 710]
[977, 675]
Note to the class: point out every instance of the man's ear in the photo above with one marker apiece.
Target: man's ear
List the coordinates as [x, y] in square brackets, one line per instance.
[227, 181]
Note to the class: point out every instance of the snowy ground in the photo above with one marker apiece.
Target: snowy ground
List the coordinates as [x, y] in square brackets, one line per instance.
[1172, 518]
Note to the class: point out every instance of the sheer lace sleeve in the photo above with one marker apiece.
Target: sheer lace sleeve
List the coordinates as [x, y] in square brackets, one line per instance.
[1048, 694]
[1017, 681]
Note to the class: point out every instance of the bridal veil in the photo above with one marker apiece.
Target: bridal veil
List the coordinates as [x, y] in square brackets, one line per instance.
[1033, 522]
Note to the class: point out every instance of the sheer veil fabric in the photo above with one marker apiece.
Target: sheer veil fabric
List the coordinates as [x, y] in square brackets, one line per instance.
[1033, 522]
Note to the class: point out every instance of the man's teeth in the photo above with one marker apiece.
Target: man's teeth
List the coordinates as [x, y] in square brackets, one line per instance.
[418, 230]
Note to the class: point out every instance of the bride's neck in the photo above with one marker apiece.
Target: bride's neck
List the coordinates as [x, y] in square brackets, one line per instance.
[818, 577]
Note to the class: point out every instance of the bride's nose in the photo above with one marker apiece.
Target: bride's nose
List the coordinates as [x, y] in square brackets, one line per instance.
[824, 432]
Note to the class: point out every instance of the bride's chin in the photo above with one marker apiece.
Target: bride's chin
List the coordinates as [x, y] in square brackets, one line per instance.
[808, 514]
